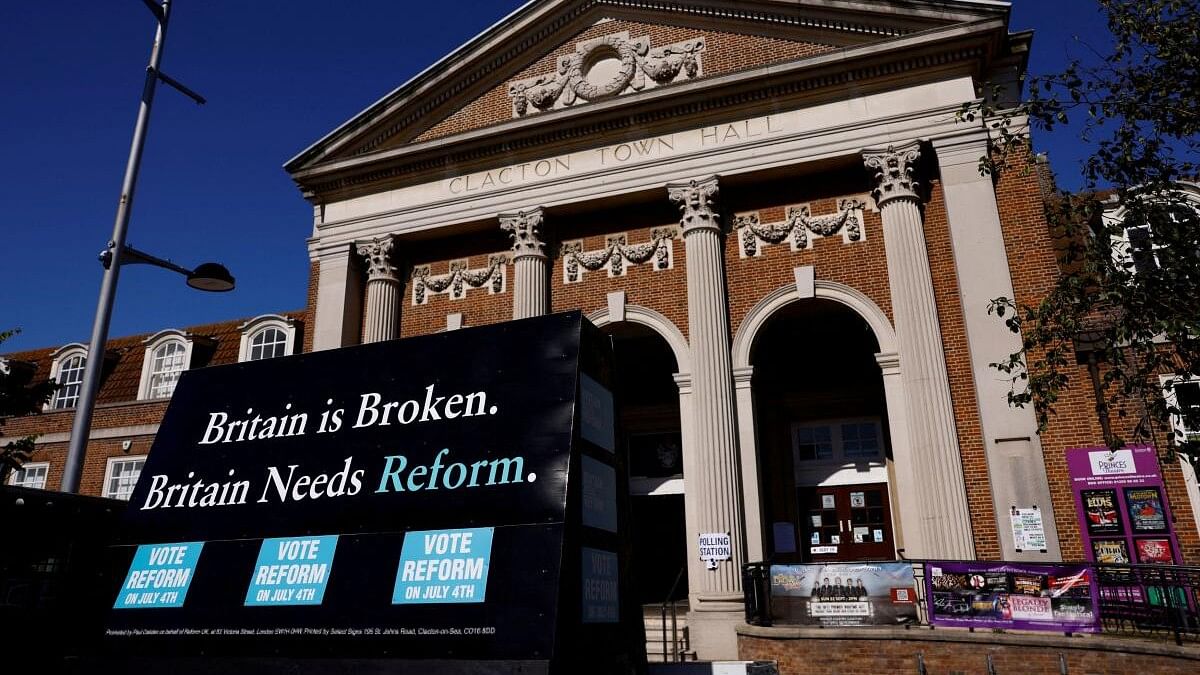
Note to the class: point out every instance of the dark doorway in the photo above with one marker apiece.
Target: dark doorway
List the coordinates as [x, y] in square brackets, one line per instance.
[648, 409]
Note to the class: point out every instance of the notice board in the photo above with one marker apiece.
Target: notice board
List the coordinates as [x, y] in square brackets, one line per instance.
[453, 499]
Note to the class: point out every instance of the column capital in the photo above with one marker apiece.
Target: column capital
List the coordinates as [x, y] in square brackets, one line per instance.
[889, 362]
[697, 200]
[377, 252]
[524, 228]
[894, 169]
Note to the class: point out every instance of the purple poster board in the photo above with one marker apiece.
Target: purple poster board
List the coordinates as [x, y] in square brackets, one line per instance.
[1124, 516]
[1059, 598]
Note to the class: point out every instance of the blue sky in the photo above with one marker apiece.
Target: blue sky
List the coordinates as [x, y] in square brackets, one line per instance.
[278, 74]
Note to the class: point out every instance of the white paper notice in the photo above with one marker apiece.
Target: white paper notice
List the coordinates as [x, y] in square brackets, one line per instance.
[1029, 532]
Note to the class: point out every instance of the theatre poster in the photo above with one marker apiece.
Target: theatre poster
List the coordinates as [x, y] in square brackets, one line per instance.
[1124, 516]
[1024, 596]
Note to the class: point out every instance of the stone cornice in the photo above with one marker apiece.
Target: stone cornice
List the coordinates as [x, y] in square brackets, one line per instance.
[931, 55]
[474, 214]
[496, 50]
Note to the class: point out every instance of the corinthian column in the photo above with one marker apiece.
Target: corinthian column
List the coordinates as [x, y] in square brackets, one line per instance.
[530, 290]
[713, 486]
[945, 520]
[383, 290]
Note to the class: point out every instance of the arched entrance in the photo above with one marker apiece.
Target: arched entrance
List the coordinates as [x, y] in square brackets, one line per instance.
[648, 411]
[822, 435]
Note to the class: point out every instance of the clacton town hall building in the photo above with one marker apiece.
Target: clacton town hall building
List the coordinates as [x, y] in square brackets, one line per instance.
[776, 211]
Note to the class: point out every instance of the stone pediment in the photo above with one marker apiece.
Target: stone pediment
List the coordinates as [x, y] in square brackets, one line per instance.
[558, 57]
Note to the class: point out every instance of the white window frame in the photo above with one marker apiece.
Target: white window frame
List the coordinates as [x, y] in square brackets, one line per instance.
[30, 466]
[1177, 423]
[1191, 482]
[108, 474]
[1114, 217]
[62, 357]
[839, 469]
[153, 343]
[260, 323]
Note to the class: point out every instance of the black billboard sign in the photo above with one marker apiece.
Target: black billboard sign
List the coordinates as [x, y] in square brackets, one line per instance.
[454, 497]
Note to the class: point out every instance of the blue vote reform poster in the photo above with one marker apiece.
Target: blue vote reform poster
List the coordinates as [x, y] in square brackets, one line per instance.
[443, 566]
[601, 602]
[159, 576]
[292, 571]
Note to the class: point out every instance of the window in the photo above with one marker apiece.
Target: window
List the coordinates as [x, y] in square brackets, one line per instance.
[1141, 249]
[167, 364]
[67, 370]
[1184, 395]
[122, 475]
[70, 381]
[860, 440]
[838, 441]
[1146, 241]
[32, 475]
[266, 337]
[268, 343]
[168, 354]
[813, 442]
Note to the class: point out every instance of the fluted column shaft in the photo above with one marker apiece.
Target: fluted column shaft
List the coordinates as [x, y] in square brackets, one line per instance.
[713, 482]
[531, 291]
[937, 464]
[383, 291]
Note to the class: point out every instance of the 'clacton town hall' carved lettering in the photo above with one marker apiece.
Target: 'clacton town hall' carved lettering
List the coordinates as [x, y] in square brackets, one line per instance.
[510, 175]
[620, 154]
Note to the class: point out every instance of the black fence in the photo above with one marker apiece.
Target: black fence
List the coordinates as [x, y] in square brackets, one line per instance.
[1135, 600]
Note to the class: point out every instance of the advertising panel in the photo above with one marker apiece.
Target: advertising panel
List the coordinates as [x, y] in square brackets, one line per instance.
[844, 594]
[451, 497]
[1120, 500]
[1060, 598]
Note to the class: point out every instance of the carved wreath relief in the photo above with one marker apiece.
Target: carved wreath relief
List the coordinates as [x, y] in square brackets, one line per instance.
[604, 67]
[460, 279]
[659, 251]
[797, 226]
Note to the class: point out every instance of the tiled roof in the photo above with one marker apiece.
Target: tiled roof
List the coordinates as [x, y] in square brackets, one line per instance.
[123, 355]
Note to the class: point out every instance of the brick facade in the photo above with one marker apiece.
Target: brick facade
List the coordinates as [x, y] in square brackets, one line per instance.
[1031, 256]
[880, 650]
[118, 407]
[861, 265]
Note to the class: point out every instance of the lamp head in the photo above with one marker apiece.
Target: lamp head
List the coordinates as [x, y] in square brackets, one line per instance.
[211, 277]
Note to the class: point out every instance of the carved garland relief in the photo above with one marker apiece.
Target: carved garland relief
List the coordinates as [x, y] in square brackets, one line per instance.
[460, 279]
[799, 227]
[659, 251]
[606, 67]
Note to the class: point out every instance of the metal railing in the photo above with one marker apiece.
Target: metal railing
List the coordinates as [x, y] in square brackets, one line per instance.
[1135, 600]
[671, 649]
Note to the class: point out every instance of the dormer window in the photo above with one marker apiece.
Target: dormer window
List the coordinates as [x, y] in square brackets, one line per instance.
[267, 337]
[168, 354]
[67, 370]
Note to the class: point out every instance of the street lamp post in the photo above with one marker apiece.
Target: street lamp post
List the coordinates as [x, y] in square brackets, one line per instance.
[208, 276]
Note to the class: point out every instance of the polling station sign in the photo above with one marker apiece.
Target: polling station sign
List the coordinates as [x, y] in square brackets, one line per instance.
[439, 497]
